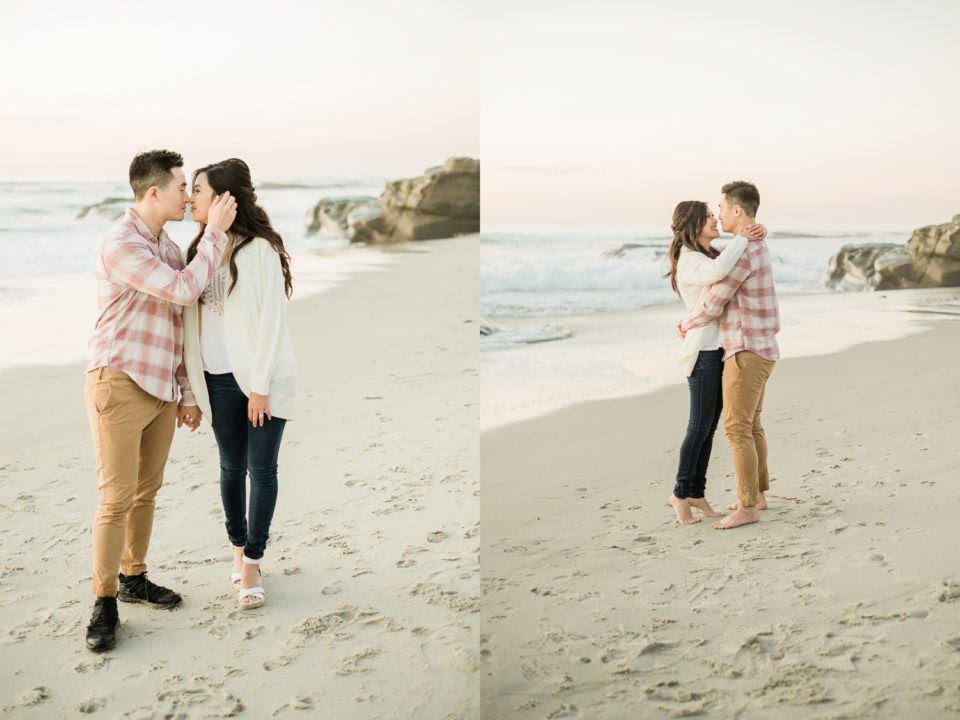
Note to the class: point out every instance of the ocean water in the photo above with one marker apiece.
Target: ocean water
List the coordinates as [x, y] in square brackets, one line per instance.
[47, 289]
[556, 275]
[561, 312]
[40, 234]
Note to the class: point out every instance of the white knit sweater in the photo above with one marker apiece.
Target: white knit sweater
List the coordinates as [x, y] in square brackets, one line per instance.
[696, 273]
[255, 332]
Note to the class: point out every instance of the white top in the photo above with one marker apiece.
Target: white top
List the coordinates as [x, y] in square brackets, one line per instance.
[696, 273]
[213, 346]
[255, 334]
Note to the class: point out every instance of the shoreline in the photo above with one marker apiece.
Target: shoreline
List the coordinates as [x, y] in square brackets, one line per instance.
[832, 606]
[372, 564]
[53, 315]
[624, 354]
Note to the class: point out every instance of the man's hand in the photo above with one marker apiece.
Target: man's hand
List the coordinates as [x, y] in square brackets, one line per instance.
[258, 408]
[755, 233]
[222, 212]
[188, 415]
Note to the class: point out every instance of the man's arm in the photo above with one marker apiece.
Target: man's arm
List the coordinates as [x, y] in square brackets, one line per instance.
[188, 412]
[130, 262]
[718, 297]
[699, 269]
[187, 398]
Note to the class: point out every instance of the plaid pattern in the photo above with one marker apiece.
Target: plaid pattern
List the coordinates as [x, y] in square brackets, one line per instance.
[142, 286]
[746, 303]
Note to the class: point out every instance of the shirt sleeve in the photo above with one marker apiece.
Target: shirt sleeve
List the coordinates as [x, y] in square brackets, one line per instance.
[695, 268]
[131, 262]
[187, 398]
[720, 294]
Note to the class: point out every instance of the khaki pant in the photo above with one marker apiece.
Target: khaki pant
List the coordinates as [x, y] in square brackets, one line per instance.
[745, 378]
[132, 433]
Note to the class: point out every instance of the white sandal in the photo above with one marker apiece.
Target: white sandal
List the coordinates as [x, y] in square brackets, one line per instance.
[257, 593]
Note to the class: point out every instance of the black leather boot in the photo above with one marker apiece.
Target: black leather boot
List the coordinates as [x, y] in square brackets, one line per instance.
[102, 630]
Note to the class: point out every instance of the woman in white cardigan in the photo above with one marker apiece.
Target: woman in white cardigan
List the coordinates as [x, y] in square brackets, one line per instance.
[240, 365]
[695, 265]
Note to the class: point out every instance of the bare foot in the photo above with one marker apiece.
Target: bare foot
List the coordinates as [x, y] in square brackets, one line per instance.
[703, 506]
[684, 516]
[740, 516]
[761, 504]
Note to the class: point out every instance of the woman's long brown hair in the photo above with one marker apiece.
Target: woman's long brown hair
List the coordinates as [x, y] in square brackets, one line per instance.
[233, 176]
[689, 219]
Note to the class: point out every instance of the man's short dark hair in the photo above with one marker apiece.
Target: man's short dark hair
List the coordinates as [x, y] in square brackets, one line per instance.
[154, 167]
[744, 194]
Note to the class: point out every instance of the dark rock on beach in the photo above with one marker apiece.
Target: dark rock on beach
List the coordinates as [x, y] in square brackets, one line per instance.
[853, 267]
[331, 216]
[930, 259]
[441, 203]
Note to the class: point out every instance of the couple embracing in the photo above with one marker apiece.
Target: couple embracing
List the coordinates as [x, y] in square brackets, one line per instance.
[177, 339]
[728, 351]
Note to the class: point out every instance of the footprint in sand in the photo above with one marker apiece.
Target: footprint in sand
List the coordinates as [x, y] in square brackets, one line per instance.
[567, 710]
[315, 627]
[947, 591]
[953, 642]
[279, 662]
[302, 702]
[436, 536]
[87, 666]
[254, 632]
[91, 705]
[34, 696]
[350, 665]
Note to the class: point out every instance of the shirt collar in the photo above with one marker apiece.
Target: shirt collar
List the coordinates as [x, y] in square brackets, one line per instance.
[134, 218]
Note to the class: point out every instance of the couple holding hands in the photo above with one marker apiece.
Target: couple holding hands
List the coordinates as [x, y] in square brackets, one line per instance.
[177, 339]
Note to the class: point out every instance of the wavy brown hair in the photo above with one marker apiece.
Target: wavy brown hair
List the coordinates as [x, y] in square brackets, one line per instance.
[689, 219]
[233, 176]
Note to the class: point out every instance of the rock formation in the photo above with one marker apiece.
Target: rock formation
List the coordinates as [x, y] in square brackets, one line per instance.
[931, 258]
[441, 203]
[332, 216]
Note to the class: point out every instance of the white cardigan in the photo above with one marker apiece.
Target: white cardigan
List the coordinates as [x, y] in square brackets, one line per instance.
[696, 273]
[255, 331]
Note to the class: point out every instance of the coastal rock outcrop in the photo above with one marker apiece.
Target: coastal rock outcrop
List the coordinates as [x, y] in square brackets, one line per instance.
[332, 215]
[441, 203]
[931, 258]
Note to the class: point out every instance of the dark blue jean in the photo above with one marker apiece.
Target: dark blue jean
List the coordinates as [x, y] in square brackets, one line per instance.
[244, 448]
[706, 404]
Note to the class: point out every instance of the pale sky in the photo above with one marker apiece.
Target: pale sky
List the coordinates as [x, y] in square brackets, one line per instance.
[298, 89]
[844, 113]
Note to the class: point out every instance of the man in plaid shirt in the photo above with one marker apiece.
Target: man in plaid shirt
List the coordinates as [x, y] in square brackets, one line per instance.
[135, 375]
[746, 303]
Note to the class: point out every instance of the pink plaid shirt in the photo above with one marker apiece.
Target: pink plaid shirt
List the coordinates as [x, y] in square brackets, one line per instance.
[746, 303]
[142, 286]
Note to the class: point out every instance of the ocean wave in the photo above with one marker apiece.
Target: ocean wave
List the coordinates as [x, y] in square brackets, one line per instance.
[315, 185]
[495, 336]
[788, 235]
[581, 276]
[638, 271]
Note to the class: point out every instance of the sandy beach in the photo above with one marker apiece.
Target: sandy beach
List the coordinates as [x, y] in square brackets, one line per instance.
[372, 570]
[843, 602]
